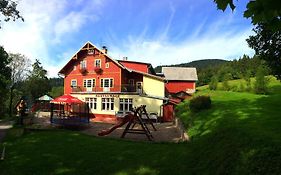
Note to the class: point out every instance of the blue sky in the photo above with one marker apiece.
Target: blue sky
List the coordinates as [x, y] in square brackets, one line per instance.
[160, 32]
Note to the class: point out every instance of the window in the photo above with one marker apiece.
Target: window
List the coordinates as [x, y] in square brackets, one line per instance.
[125, 104]
[107, 104]
[106, 82]
[131, 82]
[83, 64]
[74, 68]
[107, 65]
[73, 83]
[92, 102]
[89, 83]
[97, 63]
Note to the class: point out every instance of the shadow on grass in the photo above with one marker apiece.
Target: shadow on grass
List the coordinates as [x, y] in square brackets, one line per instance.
[236, 136]
[242, 136]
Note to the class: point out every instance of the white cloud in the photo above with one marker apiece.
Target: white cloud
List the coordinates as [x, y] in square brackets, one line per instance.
[159, 52]
[46, 21]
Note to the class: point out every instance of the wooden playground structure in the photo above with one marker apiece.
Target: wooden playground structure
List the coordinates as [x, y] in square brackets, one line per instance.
[136, 117]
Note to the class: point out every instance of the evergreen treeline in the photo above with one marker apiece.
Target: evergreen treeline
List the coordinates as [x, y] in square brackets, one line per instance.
[199, 64]
[220, 70]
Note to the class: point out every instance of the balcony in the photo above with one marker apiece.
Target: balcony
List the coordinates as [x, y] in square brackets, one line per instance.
[124, 88]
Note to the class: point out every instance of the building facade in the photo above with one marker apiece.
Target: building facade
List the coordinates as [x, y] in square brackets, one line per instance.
[111, 86]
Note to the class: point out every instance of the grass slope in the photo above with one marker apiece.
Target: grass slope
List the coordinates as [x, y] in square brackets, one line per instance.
[241, 131]
[240, 134]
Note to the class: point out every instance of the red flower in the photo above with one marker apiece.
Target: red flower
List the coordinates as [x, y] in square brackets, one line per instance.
[98, 70]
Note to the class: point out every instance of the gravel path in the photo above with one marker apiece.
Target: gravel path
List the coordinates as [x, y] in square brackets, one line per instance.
[4, 126]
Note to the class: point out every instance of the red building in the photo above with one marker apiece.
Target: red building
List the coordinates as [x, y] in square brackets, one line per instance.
[114, 86]
[179, 79]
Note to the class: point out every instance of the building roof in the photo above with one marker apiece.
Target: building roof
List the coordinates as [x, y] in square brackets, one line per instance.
[146, 74]
[89, 44]
[180, 73]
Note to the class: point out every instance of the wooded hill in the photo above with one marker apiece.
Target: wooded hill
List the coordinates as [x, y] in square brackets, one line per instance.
[199, 64]
[222, 69]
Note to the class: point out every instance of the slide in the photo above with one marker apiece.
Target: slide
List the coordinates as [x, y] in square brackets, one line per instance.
[120, 123]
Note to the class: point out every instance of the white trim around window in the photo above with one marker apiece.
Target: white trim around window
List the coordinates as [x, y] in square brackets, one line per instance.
[88, 83]
[125, 104]
[98, 63]
[83, 64]
[92, 102]
[107, 104]
[106, 82]
[73, 83]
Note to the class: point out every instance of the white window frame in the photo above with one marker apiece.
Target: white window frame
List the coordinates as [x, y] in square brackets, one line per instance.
[107, 104]
[110, 82]
[71, 83]
[98, 60]
[74, 68]
[106, 65]
[87, 81]
[83, 64]
[92, 102]
[125, 104]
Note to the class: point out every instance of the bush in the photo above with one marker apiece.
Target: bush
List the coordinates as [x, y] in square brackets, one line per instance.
[199, 103]
[214, 83]
[261, 83]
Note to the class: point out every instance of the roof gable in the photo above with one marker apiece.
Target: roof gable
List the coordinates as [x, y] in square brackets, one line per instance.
[87, 46]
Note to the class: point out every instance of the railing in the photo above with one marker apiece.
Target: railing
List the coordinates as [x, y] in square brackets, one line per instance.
[115, 88]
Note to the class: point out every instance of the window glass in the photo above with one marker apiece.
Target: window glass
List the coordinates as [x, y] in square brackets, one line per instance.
[83, 64]
[97, 63]
[107, 104]
[73, 83]
[92, 102]
[125, 104]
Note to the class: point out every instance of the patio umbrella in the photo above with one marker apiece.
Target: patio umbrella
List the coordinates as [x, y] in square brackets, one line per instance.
[45, 98]
[66, 99]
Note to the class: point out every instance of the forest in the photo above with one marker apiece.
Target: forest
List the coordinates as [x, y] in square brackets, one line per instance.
[20, 78]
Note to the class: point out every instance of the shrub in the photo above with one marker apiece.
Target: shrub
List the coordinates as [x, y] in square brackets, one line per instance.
[214, 83]
[199, 103]
[261, 84]
[225, 84]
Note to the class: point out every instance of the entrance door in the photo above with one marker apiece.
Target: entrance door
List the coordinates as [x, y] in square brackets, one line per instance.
[139, 87]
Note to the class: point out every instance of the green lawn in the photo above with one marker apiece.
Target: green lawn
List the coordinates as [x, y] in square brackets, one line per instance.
[240, 134]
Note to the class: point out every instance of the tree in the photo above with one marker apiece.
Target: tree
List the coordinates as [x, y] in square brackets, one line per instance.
[260, 11]
[261, 83]
[9, 10]
[225, 83]
[267, 45]
[19, 66]
[247, 78]
[37, 82]
[214, 83]
[56, 91]
[5, 75]
[266, 15]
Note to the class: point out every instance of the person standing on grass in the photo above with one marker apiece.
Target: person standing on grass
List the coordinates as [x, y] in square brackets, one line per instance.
[21, 108]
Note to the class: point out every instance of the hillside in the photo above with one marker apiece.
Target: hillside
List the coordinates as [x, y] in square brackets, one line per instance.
[199, 64]
[240, 134]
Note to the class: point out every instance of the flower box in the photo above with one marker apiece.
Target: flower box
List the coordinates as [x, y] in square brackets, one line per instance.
[98, 70]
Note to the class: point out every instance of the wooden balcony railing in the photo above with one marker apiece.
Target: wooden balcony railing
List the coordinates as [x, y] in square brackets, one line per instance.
[115, 88]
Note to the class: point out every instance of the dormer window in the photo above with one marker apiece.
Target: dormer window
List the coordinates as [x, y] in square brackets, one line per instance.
[97, 63]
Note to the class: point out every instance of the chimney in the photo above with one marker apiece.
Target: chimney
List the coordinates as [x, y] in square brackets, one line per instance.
[125, 58]
[104, 49]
